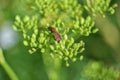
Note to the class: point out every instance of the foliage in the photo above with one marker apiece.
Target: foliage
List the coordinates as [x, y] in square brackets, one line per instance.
[70, 24]
[95, 70]
[73, 19]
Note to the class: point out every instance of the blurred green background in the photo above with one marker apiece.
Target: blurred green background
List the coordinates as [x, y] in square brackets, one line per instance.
[101, 57]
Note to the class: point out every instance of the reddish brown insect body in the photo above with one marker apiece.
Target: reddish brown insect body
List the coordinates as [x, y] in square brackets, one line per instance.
[56, 34]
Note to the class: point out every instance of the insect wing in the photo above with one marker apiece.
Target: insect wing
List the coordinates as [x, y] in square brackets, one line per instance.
[57, 36]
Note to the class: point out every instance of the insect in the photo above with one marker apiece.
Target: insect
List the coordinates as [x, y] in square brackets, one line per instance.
[57, 36]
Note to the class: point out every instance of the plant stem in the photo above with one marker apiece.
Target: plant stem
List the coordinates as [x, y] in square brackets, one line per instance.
[6, 67]
[52, 67]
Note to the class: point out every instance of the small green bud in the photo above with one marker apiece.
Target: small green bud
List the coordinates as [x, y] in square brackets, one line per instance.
[81, 57]
[34, 36]
[52, 55]
[112, 11]
[25, 43]
[115, 5]
[86, 7]
[36, 31]
[42, 50]
[51, 47]
[24, 35]
[28, 37]
[82, 21]
[62, 47]
[75, 46]
[66, 52]
[17, 18]
[33, 40]
[40, 46]
[60, 57]
[41, 35]
[71, 53]
[82, 49]
[93, 10]
[66, 58]
[33, 49]
[65, 37]
[15, 27]
[26, 19]
[74, 31]
[30, 51]
[74, 59]
[34, 44]
[95, 30]
[67, 64]
[71, 40]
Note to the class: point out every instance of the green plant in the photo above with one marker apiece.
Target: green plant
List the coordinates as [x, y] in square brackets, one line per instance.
[7, 67]
[71, 19]
[67, 17]
[98, 71]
